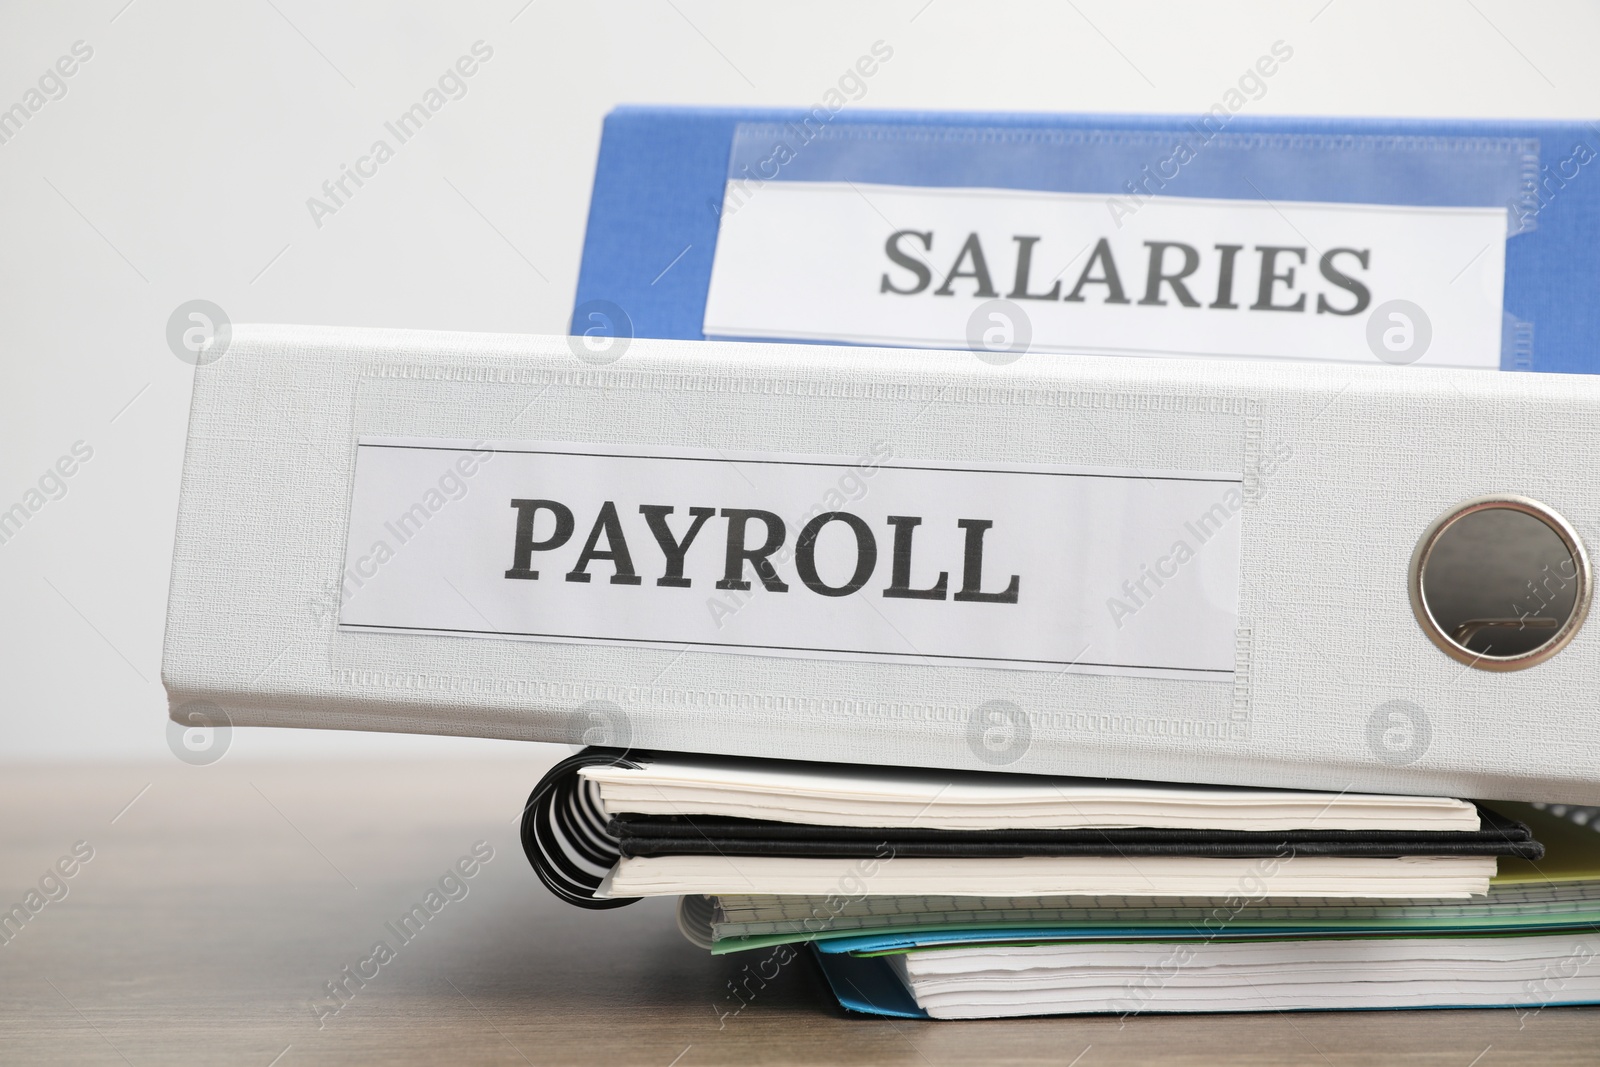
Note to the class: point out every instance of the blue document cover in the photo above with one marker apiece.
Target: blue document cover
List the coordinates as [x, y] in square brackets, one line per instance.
[867, 984]
[1460, 243]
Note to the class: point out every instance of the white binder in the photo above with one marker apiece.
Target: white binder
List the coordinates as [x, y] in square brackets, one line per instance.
[899, 557]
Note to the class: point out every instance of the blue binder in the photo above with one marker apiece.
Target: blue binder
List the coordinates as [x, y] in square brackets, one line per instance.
[660, 181]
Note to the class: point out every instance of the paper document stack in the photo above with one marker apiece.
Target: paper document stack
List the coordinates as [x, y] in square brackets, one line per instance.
[968, 895]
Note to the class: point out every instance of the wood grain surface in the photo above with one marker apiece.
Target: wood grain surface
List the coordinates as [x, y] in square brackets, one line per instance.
[221, 901]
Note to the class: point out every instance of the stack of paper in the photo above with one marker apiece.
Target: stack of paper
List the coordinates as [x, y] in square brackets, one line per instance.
[973, 895]
[1237, 975]
[1529, 942]
[708, 825]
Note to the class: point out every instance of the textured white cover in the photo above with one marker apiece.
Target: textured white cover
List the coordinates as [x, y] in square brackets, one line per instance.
[1344, 468]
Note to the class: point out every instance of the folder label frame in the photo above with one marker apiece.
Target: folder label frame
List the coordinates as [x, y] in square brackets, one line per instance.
[878, 557]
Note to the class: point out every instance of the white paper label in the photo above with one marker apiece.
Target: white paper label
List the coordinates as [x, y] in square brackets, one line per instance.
[872, 557]
[1169, 276]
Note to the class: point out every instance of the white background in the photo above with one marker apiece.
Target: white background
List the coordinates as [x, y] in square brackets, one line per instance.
[179, 163]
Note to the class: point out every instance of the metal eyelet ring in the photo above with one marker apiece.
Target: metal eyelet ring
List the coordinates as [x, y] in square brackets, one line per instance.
[1496, 592]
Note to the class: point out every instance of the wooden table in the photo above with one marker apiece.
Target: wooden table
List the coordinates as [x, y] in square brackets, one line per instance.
[220, 901]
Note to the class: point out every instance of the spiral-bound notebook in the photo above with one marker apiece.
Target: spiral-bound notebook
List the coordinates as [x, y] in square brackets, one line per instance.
[607, 826]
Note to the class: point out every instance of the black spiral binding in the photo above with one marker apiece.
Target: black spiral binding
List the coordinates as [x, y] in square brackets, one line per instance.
[564, 831]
